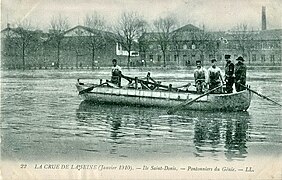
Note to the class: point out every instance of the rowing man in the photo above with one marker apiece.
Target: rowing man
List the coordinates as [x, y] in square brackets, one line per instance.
[215, 77]
[200, 75]
[116, 73]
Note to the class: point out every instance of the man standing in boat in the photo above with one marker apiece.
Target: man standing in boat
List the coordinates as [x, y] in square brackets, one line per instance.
[200, 75]
[116, 73]
[229, 74]
[240, 74]
[215, 77]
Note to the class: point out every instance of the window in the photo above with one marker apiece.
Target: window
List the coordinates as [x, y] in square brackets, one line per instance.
[168, 57]
[175, 57]
[262, 57]
[159, 57]
[151, 57]
[185, 46]
[272, 59]
[254, 57]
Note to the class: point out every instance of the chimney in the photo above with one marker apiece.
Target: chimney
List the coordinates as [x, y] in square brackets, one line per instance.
[263, 19]
[8, 25]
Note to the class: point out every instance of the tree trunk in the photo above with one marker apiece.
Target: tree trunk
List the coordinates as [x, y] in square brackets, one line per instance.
[177, 54]
[164, 59]
[145, 58]
[128, 59]
[76, 61]
[58, 54]
[23, 54]
[93, 57]
[249, 54]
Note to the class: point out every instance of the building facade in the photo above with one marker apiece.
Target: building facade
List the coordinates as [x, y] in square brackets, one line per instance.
[189, 44]
[79, 47]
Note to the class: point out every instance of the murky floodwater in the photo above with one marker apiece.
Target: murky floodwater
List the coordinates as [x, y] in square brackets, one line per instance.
[44, 119]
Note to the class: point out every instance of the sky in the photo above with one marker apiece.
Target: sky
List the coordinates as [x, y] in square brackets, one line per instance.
[214, 14]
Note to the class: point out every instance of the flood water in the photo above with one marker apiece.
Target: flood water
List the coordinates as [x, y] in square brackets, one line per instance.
[43, 118]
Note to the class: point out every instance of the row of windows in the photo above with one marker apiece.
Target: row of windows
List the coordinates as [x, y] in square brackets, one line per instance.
[263, 57]
[254, 45]
[230, 45]
[254, 57]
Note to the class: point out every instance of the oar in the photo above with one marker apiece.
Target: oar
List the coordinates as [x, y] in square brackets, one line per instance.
[174, 109]
[90, 88]
[189, 84]
[130, 79]
[264, 97]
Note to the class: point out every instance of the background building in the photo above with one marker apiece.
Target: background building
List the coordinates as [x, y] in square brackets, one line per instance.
[84, 47]
[78, 47]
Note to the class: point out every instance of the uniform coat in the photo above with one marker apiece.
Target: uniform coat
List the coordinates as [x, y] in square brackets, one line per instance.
[240, 76]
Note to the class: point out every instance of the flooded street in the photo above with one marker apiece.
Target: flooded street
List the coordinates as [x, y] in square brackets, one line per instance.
[43, 118]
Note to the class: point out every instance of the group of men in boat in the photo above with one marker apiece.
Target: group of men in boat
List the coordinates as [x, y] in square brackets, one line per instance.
[208, 79]
[212, 78]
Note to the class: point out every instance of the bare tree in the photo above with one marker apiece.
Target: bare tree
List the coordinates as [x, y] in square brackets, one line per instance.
[164, 27]
[144, 42]
[77, 44]
[59, 25]
[96, 35]
[177, 42]
[243, 39]
[24, 38]
[213, 45]
[201, 39]
[10, 45]
[129, 29]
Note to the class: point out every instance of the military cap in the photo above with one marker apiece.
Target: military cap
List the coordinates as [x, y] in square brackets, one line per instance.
[213, 60]
[227, 56]
[240, 58]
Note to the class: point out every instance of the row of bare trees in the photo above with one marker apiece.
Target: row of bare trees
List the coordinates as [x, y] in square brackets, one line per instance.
[127, 31]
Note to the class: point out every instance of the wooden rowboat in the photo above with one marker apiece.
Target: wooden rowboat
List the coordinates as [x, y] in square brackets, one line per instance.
[238, 101]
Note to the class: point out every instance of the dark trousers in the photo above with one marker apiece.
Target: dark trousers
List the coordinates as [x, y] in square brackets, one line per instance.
[238, 87]
[116, 80]
[229, 85]
[214, 85]
[199, 86]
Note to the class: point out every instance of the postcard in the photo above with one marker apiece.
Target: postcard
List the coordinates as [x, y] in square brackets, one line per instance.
[128, 89]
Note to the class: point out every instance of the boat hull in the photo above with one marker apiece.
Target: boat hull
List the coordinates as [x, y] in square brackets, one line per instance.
[239, 101]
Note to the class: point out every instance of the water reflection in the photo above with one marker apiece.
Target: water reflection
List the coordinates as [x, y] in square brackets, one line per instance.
[222, 132]
[236, 137]
[215, 134]
[117, 125]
